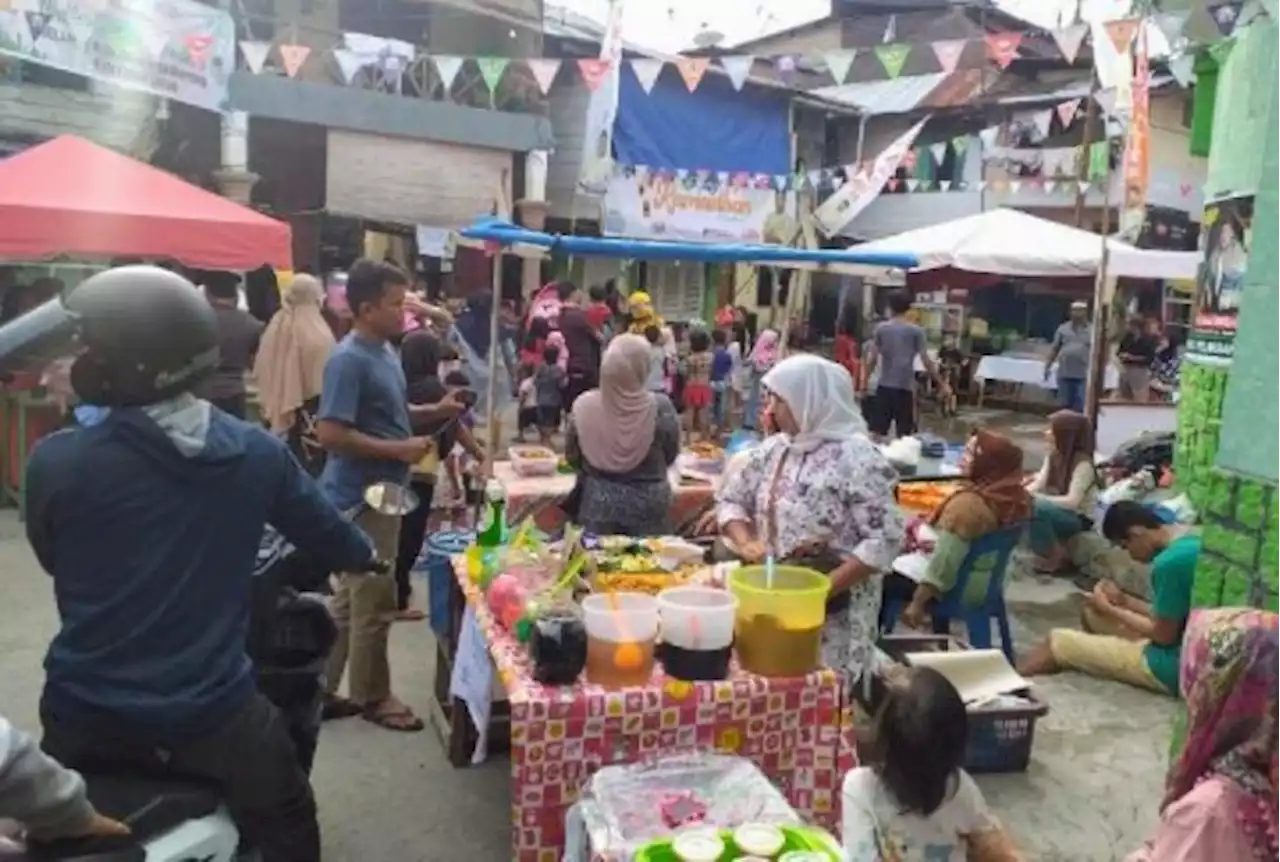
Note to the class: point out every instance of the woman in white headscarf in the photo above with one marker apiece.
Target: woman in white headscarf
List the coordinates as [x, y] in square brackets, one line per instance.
[819, 493]
[289, 368]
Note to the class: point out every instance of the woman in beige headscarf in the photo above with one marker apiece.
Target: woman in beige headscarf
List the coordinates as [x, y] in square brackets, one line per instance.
[622, 439]
[290, 368]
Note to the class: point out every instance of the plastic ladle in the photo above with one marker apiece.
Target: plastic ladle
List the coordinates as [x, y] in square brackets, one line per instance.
[628, 655]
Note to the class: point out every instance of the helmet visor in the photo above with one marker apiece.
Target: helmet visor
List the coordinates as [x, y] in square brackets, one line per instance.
[33, 340]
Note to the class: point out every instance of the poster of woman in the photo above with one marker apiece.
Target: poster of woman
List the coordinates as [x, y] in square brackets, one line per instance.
[1225, 241]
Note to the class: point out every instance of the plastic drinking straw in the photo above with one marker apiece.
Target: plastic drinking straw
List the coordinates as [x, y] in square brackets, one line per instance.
[768, 572]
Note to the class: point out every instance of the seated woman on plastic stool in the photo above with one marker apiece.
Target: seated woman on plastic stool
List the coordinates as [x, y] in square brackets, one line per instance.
[993, 499]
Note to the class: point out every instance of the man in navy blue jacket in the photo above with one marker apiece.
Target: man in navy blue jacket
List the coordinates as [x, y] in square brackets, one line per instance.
[149, 518]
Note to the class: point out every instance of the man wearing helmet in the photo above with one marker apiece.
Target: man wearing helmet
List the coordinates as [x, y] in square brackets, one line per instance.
[148, 516]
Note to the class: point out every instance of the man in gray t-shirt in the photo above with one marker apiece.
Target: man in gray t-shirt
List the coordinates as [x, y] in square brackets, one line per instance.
[1072, 349]
[895, 345]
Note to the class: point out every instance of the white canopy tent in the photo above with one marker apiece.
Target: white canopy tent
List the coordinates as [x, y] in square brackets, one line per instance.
[1014, 243]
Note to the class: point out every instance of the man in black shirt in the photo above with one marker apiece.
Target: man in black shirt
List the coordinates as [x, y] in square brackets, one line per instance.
[238, 336]
[582, 341]
[1136, 354]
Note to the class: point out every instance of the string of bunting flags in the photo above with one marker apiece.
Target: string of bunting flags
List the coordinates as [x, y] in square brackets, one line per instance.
[388, 59]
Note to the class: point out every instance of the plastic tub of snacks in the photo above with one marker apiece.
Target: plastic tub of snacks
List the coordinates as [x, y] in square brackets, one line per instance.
[533, 461]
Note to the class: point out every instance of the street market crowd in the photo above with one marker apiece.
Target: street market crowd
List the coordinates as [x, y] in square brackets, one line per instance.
[148, 511]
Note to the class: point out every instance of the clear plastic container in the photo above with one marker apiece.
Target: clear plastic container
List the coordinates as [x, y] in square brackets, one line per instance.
[621, 632]
[697, 632]
[779, 624]
[533, 460]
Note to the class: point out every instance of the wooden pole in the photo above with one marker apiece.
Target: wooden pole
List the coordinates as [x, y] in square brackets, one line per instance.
[1086, 142]
[1101, 303]
[492, 422]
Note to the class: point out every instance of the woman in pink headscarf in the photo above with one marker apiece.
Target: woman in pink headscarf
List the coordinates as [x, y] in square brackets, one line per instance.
[762, 359]
[622, 440]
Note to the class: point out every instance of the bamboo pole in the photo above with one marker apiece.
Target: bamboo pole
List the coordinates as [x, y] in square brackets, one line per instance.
[1101, 310]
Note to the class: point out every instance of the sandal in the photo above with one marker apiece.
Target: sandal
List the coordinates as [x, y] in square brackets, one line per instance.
[410, 615]
[401, 720]
[339, 707]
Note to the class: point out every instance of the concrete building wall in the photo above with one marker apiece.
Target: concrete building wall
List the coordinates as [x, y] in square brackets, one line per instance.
[569, 100]
[119, 119]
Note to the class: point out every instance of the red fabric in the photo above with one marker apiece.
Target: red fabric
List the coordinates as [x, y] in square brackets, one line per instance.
[597, 314]
[72, 197]
[698, 396]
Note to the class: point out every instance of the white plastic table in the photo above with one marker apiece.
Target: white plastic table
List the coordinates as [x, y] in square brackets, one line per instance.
[1027, 371]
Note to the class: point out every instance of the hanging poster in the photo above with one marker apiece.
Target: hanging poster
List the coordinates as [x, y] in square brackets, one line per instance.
[1225, 235]
[692, 208]
[177, 49]
[602, 108]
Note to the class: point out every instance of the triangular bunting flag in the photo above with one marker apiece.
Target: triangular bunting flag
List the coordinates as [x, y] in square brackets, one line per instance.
[255, 56]
[737, 67]
[785, 66]
[1067, 111]
[893, 57]
[988, 136]
[543, 70]
[1042, 120]
[491, 70]
[691, 70]
[893, 183]
[646, 71]
[292, 57]
[197, 45]
[1171, 24]
[1002, 48]
[981, 185]
[913, 184]
[939, 152]
[594, 70]
[948, 53]
[1083, 186]
[1182, 68]
[1015, 186]
[349, 63]
[36, 23]
[1224, 15]
[1121, 32]
[1049, 186]
[1106, 100]
[960, 143]
[448, 66]
[944, 185]
[1099, 159]
[838, 63]
[780, 182]
[1069, 40]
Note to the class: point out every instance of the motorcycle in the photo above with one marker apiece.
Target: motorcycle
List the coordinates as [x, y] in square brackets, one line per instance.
[172, 819]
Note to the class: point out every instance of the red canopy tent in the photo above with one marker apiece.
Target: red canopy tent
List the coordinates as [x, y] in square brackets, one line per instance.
[72, 197]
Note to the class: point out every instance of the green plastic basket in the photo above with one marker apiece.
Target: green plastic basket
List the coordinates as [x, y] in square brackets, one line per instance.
[797, 838]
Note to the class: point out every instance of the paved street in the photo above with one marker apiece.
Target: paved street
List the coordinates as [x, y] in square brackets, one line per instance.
[1091, 792]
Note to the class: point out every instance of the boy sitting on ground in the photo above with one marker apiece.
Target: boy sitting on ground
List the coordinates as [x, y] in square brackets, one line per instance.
[1144, 644]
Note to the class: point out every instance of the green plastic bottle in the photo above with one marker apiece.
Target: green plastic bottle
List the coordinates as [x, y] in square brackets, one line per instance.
[493, 523]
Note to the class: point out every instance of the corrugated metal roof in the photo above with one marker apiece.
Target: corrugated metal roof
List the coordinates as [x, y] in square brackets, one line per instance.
[892, 96]
[561, 23]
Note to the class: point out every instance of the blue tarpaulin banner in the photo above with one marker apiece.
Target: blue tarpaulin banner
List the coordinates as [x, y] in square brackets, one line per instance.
[714, 128]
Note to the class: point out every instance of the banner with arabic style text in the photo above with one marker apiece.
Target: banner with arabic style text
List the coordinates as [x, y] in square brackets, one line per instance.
[697, 207]
[177, 49]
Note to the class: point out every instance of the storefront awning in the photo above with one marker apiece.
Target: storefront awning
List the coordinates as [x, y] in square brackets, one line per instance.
[74, 198]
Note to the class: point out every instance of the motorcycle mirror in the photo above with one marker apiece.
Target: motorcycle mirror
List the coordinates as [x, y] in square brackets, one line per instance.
[389, 498]
[33, 340]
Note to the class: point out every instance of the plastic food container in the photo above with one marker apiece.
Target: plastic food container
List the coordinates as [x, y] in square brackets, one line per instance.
[697, 632]
[698, 845]
[778, 631]
[622, 629]
[759, 839]
[534, 461]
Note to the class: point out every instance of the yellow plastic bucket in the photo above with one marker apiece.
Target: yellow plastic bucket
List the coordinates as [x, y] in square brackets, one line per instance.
[778, 628]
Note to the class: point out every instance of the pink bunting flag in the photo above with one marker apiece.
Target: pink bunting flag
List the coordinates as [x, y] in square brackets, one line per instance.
[292, 57]
[691, 70]
[1067, 111]
[594, 70]
[948, 53]
[1002, 48]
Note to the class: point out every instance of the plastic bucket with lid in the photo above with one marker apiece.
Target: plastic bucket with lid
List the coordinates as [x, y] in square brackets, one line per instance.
[621, 631]
[441, 549]
[697, 632]
[778, 630]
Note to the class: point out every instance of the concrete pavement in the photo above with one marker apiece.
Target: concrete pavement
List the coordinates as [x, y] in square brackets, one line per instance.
[1090, 794]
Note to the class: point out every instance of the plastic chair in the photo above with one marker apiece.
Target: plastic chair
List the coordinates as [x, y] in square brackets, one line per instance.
[976, 619]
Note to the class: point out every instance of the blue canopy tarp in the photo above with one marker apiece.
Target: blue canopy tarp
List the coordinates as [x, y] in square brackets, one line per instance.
[849, 261]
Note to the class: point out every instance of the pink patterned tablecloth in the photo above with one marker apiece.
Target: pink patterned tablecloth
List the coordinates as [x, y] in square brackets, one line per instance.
[798, 731]
[540, 496]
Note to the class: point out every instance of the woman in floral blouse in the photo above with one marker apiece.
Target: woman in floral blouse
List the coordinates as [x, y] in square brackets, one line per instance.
[819, 493]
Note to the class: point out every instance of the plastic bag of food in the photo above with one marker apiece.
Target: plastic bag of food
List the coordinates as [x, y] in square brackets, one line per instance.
[624, 807]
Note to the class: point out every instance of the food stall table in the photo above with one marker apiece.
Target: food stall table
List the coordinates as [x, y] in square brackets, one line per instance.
[1026, 370]
[540, 496]
[798, 731]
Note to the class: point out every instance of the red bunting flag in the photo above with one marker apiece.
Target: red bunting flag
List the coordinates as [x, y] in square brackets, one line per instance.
[594, 70]
[1002, 48]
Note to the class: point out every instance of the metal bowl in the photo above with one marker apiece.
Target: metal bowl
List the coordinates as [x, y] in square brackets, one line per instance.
[391, 498]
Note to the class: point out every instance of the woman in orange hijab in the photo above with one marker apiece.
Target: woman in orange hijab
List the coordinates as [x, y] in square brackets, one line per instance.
[994, 498]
